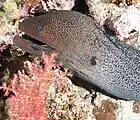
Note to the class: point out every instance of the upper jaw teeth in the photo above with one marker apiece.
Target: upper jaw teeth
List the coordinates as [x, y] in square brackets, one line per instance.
[21, 34]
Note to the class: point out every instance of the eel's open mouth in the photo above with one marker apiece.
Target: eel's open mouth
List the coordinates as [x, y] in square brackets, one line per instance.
[32, 45]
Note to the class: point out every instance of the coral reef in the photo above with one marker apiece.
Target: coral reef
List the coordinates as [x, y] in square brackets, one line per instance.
[42, 93]
[29, 92]
[121, 19]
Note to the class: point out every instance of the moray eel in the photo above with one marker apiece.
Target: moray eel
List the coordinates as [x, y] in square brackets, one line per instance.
[89, 51]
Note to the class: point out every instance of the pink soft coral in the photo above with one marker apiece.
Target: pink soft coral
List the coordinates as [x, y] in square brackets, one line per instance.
[30, 92]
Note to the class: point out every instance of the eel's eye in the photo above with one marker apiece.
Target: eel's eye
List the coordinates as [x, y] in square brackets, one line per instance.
[40, 28]
[40, 25]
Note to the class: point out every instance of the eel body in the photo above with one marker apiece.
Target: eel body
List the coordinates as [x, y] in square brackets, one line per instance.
[86, 49]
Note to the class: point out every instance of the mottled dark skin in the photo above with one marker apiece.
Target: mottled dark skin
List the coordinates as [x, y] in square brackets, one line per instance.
[85, 48]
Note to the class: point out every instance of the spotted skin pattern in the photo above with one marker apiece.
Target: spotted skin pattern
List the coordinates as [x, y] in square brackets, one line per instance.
[89, 51]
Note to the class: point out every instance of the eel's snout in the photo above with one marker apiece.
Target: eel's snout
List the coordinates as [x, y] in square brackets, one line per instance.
[29, 27]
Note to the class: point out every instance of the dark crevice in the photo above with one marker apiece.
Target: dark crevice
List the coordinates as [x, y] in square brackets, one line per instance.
[81, 6]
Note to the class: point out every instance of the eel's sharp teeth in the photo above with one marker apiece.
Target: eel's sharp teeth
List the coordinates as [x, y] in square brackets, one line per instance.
[21, 34]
